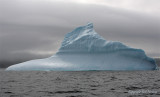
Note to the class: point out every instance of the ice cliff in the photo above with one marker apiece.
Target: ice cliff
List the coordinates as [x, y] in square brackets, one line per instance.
[84, 49]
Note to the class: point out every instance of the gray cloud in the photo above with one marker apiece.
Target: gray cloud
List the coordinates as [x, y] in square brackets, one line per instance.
[35, 28]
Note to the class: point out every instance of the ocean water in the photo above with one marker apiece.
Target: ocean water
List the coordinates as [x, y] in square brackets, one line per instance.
[79, 83]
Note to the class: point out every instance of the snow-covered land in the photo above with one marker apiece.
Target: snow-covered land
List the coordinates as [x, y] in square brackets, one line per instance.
[84, 49]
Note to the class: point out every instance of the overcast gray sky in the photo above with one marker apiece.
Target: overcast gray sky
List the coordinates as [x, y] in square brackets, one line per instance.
[32, 29]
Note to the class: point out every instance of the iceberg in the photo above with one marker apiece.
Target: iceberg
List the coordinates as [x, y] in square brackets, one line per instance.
[84, 49]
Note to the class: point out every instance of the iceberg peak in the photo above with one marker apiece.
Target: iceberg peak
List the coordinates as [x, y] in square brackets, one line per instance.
[89, 26]
[84, 39]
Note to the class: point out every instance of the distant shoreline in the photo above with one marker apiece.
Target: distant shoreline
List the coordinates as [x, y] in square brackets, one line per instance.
[157, 61]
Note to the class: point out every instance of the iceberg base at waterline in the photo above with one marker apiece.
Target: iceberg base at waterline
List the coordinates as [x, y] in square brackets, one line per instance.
[83, 49]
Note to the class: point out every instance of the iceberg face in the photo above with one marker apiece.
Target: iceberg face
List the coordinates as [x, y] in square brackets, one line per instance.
[84, 49]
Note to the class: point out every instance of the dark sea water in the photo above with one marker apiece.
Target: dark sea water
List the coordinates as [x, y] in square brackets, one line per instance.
[79, 83]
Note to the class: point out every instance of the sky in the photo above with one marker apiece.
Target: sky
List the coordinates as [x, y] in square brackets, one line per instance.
[32, 29]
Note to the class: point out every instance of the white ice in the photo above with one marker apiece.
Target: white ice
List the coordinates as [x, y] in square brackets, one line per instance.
[84, 49]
